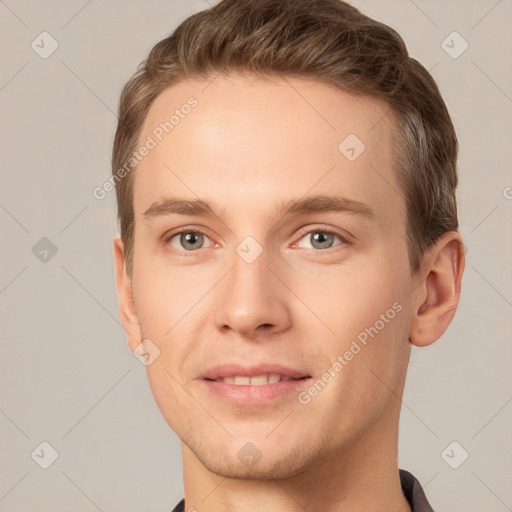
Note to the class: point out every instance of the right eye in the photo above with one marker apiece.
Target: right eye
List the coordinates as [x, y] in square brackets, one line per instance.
[187, 239]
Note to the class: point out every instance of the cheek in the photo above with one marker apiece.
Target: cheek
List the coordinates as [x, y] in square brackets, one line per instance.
[164, 298]
[171, 398]
[348, 299]
[367, 355]
[362, 319]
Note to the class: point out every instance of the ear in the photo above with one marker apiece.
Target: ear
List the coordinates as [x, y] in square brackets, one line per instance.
[125, 296]
[437, 295]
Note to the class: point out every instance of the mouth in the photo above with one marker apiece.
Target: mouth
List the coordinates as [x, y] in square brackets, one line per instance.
[257, 380]
[253, 385]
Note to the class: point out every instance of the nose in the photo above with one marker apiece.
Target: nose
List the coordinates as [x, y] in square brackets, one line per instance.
[252, 299]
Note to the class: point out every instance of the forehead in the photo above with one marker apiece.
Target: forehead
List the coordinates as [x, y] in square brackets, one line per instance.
[245, 141]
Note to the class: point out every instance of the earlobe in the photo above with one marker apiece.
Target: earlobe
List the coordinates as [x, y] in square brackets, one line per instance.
[124, 292]
[438, 295]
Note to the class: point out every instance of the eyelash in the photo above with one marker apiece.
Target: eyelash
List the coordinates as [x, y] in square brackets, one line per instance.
[316, 229]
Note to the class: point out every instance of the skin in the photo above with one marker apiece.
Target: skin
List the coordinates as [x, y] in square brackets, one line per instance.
[249, 145]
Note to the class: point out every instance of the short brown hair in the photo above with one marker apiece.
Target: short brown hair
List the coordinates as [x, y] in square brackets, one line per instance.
[323, 40]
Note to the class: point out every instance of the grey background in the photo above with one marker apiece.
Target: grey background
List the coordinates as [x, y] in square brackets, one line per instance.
[67, 376]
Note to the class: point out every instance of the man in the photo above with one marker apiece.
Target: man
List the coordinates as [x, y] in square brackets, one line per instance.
[285, 176]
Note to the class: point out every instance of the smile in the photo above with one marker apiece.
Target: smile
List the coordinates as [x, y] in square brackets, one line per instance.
[258, 380]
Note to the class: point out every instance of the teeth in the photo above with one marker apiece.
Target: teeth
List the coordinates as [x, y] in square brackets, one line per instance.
[259, 380]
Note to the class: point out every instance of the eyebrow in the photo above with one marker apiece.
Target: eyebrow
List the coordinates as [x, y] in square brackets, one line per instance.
[311, 204]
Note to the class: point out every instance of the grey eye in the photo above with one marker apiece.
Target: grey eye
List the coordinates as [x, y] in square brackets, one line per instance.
[188, 240]
[321, 239]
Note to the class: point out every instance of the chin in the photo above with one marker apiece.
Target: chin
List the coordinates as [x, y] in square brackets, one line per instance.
[249, 463]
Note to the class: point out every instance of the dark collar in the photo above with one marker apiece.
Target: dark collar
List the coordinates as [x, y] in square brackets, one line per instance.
[414, 493]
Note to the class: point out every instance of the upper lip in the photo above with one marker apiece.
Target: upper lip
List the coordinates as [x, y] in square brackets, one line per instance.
[234, 370]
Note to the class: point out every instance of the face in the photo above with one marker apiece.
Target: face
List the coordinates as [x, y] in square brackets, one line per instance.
[270, 243]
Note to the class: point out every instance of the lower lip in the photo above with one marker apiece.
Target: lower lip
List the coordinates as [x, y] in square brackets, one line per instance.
[255, 395]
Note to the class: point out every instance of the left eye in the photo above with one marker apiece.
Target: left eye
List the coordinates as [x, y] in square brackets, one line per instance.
[322, 239]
